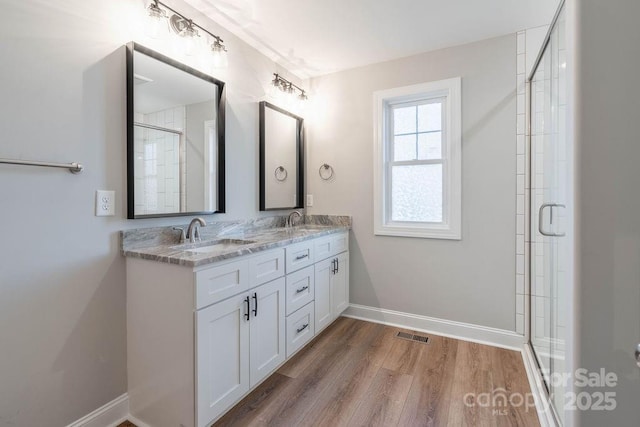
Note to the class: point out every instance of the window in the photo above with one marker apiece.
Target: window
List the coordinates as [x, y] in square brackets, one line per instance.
[417, 180]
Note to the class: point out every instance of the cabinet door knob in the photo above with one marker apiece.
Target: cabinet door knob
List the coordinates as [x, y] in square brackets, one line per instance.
[302, 289]
[246, 314]
[299, 257]
[302, 328]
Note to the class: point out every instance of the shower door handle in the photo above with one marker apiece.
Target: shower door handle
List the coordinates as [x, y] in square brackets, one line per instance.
[540, 212]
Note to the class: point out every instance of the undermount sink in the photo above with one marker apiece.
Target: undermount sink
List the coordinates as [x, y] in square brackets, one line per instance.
[221, 245]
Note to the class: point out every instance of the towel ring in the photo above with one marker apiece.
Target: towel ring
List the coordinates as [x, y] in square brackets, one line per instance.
[280, 173]
[326, 172]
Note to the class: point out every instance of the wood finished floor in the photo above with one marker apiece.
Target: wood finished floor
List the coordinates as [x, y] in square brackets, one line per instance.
[358, 373]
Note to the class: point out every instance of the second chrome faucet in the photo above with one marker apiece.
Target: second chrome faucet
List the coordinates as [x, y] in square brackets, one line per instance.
[193, 231]
[290, 219]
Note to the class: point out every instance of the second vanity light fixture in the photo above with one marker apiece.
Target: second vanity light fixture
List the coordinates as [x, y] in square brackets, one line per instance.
[288, 88]
[184, 27]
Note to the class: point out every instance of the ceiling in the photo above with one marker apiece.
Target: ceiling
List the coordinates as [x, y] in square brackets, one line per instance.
[315, 37]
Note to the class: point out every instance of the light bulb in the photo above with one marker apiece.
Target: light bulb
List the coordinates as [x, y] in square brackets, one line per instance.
[191, 38]
[302, 101]
[274, 91]
[219, 55]
[156, 25]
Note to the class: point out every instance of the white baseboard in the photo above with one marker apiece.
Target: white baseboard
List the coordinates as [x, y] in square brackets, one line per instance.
[543, 406]
[137, 422]
[109, 415]
[463, 331]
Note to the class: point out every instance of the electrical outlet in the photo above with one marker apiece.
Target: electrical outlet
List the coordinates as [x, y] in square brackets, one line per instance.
[105, 203]
[309, 200]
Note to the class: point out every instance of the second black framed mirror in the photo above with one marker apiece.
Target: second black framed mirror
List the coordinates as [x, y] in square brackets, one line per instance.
[281, 158]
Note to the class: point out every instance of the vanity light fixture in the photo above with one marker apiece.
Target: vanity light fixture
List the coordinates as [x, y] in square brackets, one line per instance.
[219, 52]
[285, 86]
[185, 28]
[156, 22]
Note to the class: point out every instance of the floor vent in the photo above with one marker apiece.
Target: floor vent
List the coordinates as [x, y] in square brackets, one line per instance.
[412, 337]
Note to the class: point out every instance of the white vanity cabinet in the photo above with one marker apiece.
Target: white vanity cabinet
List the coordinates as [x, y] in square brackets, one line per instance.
[200, 338]
[331, 279]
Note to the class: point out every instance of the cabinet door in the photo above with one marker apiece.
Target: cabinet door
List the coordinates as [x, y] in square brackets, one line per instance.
[267, 329]
[323, 312]
[340, 285]
[222, 366]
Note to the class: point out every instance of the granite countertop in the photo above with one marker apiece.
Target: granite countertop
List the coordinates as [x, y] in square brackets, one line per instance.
[229, 246]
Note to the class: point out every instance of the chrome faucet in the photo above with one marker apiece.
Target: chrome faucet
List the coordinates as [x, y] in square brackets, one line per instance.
[290, 221]
[193, 231]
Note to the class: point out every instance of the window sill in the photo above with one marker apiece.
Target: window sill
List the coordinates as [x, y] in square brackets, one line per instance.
[418, 232]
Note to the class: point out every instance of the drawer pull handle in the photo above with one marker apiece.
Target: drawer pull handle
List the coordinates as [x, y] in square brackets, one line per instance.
[299, 257]
[302, 289]
[247, 313]
[255, 298]
[302, 328]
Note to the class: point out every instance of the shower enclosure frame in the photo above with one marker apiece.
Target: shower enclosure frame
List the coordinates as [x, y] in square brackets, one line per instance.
[553, 414]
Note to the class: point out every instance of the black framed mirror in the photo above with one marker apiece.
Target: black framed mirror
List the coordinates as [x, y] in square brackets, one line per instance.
[175, 137]
[281, 158]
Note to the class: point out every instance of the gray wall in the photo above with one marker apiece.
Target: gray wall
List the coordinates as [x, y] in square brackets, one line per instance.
[608, 200]
[472, 280]
[62, 280]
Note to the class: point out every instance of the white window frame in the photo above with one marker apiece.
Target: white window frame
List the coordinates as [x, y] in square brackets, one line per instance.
[450, 227]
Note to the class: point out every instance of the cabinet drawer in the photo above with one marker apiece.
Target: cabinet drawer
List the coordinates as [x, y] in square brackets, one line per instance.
[299, 255]
[300, 289]
[328, 246]
[300, 328]
[266, 267]
[222, 281]
[340, 243]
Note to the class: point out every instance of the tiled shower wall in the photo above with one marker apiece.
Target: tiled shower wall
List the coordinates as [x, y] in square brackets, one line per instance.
[528, 44]
[522, 184]
[160, 186]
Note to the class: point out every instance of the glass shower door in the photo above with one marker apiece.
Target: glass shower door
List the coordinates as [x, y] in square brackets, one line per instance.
[549, 247]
